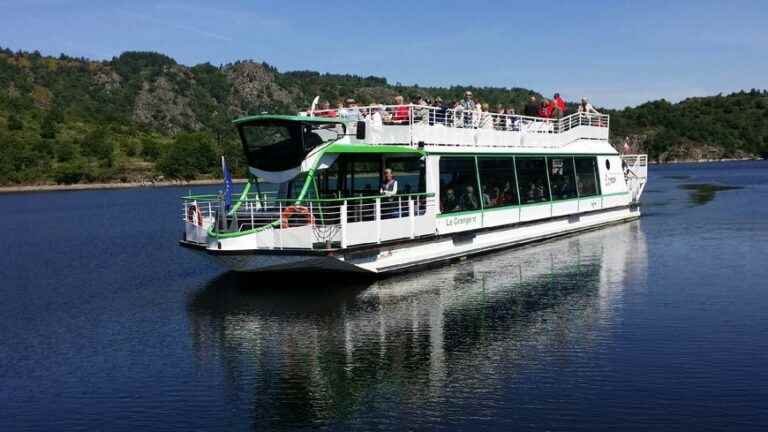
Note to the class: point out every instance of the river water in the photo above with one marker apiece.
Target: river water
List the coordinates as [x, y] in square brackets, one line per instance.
[659, 324]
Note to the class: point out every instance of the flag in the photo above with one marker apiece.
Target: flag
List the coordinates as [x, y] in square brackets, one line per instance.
[227, 184]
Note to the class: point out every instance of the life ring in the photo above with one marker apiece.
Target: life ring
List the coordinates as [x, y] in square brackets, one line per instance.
[194, 215]
[292, 210]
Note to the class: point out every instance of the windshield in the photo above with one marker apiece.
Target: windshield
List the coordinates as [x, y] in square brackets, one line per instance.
[278, 145]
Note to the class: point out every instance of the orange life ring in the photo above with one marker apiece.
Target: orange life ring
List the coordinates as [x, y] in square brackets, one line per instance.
[194, 215]
[295, 209]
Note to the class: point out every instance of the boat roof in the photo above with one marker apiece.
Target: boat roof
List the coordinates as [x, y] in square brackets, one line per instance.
[304, 119]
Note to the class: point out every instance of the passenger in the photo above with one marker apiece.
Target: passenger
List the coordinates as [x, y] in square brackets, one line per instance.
[531, 108]
[560, 103]
[389, 185]
[545, 110]
[401, 113]
[469, 200]
[450, 203]
[458, 114]
[468, 103]
[496, 198]
[350, 111]
[509, 194]
[440, 112]
[421, 114]
[486, 117]
[486, 197]
[586, 108]
[324, 110]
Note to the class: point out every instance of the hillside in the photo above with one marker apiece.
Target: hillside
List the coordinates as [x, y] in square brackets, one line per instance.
[142, 116]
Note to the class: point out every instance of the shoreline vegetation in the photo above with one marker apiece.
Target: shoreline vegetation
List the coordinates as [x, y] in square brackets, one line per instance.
[208, 182]
[76, 122]
[115, 185]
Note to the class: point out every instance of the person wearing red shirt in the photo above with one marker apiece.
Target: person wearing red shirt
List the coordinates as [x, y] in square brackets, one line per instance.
[559, 105]
[400, 114]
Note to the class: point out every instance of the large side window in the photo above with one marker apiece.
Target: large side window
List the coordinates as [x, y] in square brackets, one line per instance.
[458, 184]
[586, 176]
[497, 180]
[562, 179]
[532, 175]
[364, 175]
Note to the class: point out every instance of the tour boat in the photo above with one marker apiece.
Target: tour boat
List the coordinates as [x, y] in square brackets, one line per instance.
[467, 182]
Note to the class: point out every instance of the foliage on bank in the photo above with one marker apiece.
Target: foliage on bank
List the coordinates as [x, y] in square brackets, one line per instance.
[141, 116]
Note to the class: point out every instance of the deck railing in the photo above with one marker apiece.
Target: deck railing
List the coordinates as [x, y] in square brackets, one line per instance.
[335, 222]
[635, 174]
[409, 115]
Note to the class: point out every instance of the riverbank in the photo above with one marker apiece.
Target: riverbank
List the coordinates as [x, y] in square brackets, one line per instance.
[94, 186]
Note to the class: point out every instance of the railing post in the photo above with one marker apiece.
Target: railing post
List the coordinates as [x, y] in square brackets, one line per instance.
[377, 212]
[280, 223]
[411, 216]
[252, 224]
[343, 221]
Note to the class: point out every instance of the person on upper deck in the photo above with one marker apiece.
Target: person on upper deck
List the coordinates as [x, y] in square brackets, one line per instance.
[400, 114]
[532, 107]
[468, 103]
[586, 108]
[324, 110]
[350, 110]
[559, 104]
[545, 109]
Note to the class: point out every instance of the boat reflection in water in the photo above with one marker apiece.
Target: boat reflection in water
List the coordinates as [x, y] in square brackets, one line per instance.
[315, 351]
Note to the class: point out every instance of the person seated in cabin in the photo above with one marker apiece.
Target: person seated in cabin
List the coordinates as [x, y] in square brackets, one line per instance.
[449, 202]
[509, 194]
[533, 193]
[540, 194]
[532, 107]
[485, 196]
[497, 197]
[469, 201]
[389, 184]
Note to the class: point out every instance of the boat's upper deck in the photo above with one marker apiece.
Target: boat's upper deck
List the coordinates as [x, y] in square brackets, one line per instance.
[429, 126]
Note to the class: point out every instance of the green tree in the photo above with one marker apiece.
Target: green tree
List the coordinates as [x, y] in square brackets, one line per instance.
[190, 154]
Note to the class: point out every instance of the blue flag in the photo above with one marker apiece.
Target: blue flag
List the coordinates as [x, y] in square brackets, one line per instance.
[227, 184]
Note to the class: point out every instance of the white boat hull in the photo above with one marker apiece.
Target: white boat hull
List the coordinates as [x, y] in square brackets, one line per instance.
[397, 256]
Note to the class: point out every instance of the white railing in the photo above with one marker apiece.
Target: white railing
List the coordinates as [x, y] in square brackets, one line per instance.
[409, 115]
[339, 222]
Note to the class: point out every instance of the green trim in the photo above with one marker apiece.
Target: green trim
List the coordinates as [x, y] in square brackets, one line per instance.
[367, 148]
[509, 207]
[523, 155]
[459, 213]
[303, 119]
[536, 204]
[613, 194]
[243, 196]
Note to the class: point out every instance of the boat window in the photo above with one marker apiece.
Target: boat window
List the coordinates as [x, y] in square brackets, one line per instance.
[458, 185]
[586, 176]
[409, 173]
[562, 179]
[497, 180]
[364, 175]
[281, 145]
[532, 178]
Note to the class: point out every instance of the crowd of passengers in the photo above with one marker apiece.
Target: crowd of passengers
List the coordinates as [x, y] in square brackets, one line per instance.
[467, 112]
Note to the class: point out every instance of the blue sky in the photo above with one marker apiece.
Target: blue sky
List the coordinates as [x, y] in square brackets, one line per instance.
[618, 53]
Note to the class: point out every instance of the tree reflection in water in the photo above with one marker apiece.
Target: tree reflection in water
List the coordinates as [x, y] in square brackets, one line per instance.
[312, 350]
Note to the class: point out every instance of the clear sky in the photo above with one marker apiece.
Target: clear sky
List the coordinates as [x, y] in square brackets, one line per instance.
[616, 52]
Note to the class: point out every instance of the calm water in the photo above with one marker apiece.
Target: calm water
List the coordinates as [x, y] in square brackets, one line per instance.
[660, 324]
